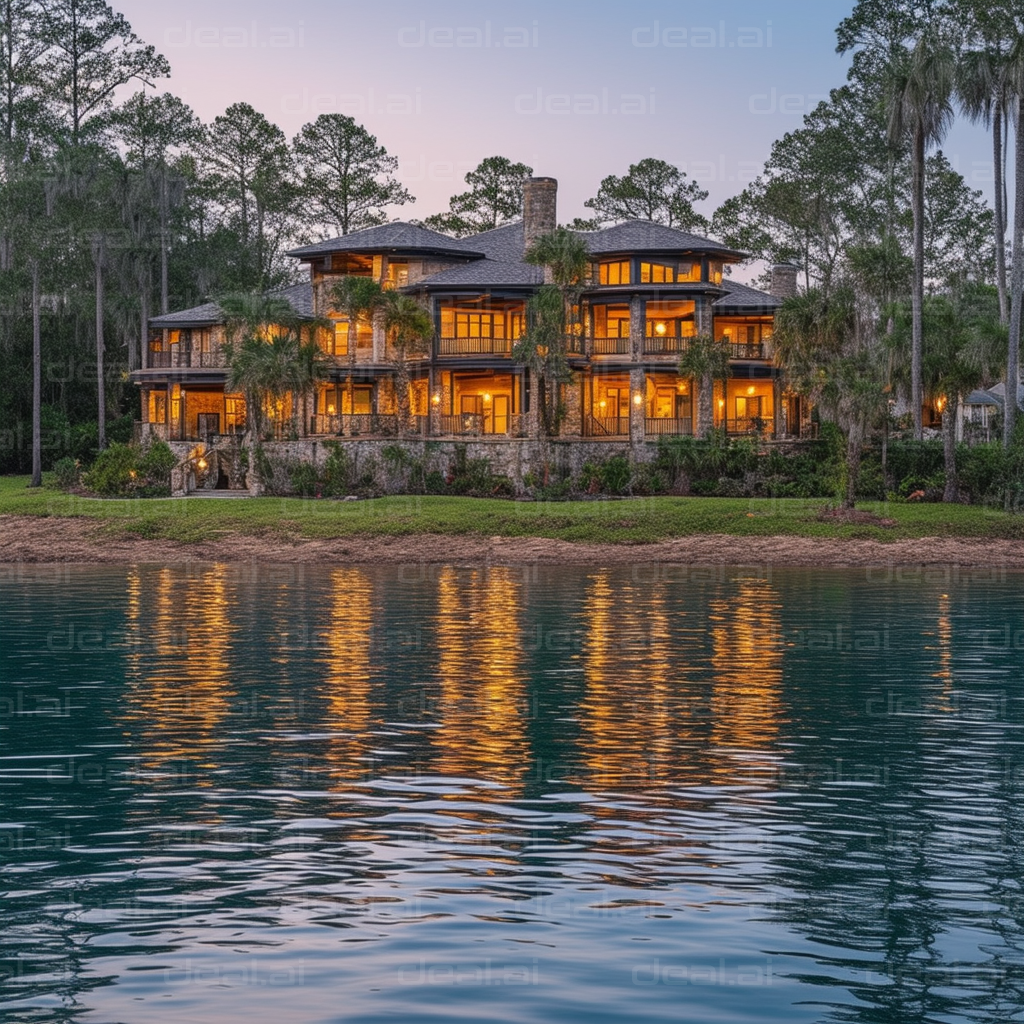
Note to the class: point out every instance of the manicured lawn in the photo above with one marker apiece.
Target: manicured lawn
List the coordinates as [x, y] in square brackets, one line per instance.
[640, 520]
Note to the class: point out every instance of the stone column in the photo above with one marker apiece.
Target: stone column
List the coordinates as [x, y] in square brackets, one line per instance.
[573, 424]
[637, 410]
[777, 407]
[637, 327]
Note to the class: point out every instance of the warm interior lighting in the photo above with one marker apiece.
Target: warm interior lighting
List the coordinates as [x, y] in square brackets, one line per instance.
[660, 328]
[750, 390]
[487, 398]
[602, 403]
[435, 398]
[721, 403]
[330, 410]
[638, 399]
[681, 388]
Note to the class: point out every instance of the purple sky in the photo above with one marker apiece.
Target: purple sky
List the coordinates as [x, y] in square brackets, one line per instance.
[576, 90]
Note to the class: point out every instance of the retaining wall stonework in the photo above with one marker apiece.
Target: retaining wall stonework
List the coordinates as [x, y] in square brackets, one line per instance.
[510, 457]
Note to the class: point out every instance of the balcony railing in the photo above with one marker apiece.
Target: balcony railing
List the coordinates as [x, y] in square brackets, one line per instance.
[354, 425]
[607, 426]
[610, 346]
[666, 427]
[658, 345]
[749, 425]
[460, 423]
[743, 350]
[474, 347]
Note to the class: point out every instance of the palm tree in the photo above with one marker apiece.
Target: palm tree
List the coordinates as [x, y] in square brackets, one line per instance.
[705, 360]
[919, 100]
[359, 299]
[552, 316]
[830, 355]
[982, 88]
[1015, 87]
[250, 320]
[409, 328]
[966, 340]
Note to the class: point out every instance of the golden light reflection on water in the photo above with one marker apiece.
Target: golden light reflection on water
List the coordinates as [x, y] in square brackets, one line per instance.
[181, 703]
[347, 687]
[746, 662]
[483, 704]
[629, 709]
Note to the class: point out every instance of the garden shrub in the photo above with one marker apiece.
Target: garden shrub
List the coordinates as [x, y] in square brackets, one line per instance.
[115, 471]
[67, 473]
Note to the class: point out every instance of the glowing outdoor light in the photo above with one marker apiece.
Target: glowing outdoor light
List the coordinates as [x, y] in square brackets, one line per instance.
[602, 403]
[201, 463]
[487, 397]
[330, 410]
[750, 390]
[638, 399]
[435, 398]
[660, 328]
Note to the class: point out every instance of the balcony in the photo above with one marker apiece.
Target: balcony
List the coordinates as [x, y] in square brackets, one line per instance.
[662, 345]
[749, 426]
[354, 425]
[747, 350]
[607, 426]
[610, 346]
[468, 424]
[668, 427]
[474, 347]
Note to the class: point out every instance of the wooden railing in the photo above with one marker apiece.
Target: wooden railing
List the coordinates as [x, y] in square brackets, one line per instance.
[662, 345]
[607, 426]
[743, 350]
[610, 346]
[349, 425]
[668, 427]
[749, 425]
[460, 423]
[474, 347]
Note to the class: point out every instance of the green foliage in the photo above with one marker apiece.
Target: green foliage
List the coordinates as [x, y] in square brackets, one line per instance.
[337, 472]
[67, 473]
[495, 197]
[305, 480]
[651, 190]
[114, 473]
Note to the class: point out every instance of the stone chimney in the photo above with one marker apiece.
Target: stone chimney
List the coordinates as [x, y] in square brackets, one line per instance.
[784, 280]
[540, 198]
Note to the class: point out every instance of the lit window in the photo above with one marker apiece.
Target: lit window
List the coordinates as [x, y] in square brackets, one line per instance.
[614, 273]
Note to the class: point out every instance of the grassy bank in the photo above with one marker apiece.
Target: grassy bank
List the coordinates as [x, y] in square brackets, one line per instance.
[642, 520]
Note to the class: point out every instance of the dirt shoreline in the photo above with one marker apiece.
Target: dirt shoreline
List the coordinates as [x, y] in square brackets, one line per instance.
[49, 540]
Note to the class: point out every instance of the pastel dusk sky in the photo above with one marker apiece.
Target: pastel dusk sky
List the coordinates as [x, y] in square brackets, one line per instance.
[576, 90]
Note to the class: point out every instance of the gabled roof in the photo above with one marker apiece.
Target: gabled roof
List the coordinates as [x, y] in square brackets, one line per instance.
[743, 297]
[398, 237]
[646, 236]
[299, 297]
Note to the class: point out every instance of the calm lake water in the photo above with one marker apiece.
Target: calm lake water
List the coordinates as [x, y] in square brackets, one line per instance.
[499, 794]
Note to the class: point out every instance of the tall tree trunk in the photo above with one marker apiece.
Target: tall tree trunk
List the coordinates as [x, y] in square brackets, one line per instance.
[37, 381]
[1000, 211]
[402, 394]
[706, 406]
[951, 494]
[853, 455]
[1016, 291]
[917, 292]
[101, 389]
[143, 360]
[164, 300]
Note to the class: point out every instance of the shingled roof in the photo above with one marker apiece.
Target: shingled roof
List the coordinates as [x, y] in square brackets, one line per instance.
[298, 296]
[398, 237]
[743, 297]
[646, 236]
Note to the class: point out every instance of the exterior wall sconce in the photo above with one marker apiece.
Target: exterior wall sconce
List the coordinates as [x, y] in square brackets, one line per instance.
[638, 399]
[435, 399]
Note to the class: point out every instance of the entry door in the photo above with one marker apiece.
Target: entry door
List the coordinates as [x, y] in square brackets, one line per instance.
[500, 414]
[748, 408]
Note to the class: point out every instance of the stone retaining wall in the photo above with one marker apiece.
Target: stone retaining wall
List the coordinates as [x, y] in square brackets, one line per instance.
[509, 457]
